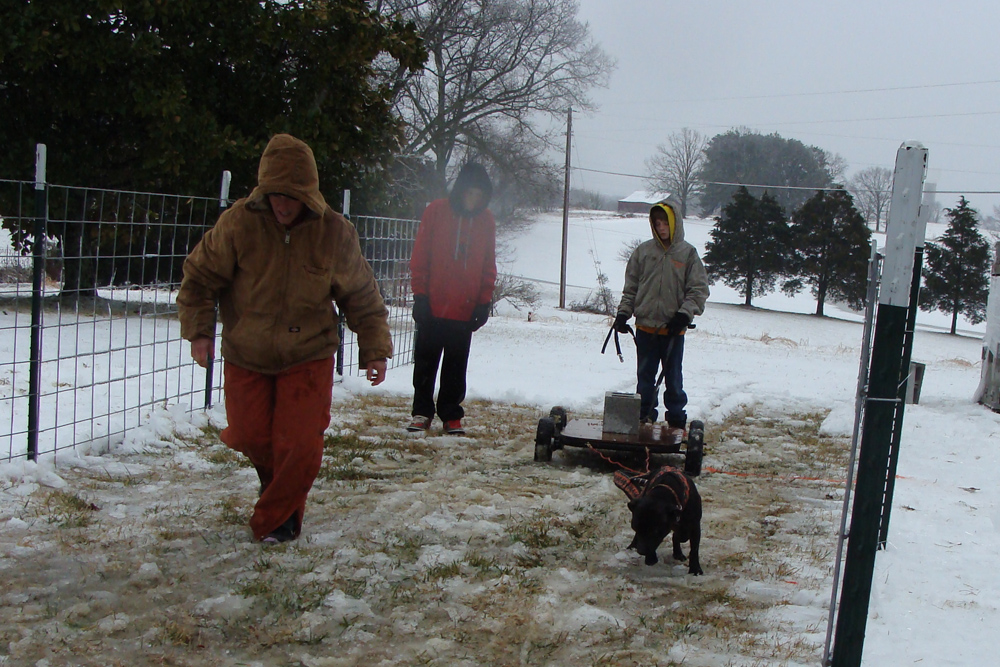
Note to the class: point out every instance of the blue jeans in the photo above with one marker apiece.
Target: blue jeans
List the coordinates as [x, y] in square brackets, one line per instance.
[652, 351]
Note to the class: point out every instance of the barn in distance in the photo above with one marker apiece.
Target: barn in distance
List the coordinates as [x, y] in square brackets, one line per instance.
[641, 201]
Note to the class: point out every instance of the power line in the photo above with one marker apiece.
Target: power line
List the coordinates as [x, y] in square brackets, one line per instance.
[837, 92]
[787, 187]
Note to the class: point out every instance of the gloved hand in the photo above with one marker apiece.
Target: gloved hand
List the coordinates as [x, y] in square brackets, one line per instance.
[480, 314]
[621, 324]
[421, 309]
[678, 323]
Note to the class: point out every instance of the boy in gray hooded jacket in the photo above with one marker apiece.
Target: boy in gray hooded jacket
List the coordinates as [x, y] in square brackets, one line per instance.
[666, 285]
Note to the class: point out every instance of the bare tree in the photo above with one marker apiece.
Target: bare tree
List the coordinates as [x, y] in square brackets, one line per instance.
[836, 164]
[872, 190]
[496, 68]
[674, 166]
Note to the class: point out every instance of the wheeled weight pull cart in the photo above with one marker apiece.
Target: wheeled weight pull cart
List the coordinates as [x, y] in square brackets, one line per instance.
[557, 431]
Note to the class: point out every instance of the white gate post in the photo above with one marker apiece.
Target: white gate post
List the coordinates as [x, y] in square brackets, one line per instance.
[988, 392]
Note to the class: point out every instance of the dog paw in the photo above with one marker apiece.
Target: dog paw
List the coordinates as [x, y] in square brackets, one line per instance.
[696, 571]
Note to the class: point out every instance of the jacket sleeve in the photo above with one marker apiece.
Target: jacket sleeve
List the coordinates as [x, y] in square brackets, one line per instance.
[420, 259]
[358, 297]
[695, 286]
[489, 263]
[207, 270]
[632, 270]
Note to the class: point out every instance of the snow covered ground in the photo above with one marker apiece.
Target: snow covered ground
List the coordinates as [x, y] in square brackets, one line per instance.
[461, 551]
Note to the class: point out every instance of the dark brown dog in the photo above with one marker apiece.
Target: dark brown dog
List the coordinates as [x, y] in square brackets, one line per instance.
[662, 501]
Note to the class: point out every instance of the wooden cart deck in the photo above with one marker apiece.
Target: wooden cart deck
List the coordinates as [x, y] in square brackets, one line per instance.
[659, 437]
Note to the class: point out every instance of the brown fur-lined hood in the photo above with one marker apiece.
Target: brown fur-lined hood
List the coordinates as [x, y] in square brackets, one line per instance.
[288, 167]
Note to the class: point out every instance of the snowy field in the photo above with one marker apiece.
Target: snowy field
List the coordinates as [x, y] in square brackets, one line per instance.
[462, 551]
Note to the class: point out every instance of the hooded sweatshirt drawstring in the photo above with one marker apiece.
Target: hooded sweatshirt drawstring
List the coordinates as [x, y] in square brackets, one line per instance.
[458, 242]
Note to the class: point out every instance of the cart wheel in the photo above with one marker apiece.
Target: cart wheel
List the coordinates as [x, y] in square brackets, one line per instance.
[558, 415]
[695, 448]
[543, 439]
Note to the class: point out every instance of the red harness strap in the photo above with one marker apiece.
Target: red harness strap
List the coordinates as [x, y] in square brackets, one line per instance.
[658, 480]
[640, 485]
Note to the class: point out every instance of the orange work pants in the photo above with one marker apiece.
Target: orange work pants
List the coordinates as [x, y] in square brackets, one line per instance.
[278, 421]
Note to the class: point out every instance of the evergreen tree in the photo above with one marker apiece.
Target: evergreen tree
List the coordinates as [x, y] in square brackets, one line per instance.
[164, 96]
[747, 245]
[957, 270]
[832, 248]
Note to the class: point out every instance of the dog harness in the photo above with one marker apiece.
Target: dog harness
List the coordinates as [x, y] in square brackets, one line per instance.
[639, 485]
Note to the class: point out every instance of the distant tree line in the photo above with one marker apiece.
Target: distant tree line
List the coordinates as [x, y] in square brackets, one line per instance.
[825, 246]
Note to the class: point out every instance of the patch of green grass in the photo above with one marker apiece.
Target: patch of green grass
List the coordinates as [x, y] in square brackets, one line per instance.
[68, 510]
[404, 547]
[533, 532]
[177, 634]
[278, 591]
[486, 567]
[443, 571]
[346, 472]
[226, 457]
[233, 511]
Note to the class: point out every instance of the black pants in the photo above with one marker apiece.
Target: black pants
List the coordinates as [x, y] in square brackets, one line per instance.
[437, 338]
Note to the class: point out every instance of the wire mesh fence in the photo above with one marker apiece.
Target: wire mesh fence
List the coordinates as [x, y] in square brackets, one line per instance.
[387, 244]
[95, 342]
[89, 338]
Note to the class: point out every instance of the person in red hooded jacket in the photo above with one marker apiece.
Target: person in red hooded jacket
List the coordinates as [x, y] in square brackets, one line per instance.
[453, 271]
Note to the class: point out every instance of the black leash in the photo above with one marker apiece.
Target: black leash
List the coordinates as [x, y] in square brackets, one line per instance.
[618, 345]
[670, 348]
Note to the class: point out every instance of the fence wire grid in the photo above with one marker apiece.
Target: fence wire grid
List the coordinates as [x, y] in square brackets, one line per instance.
[89, 336]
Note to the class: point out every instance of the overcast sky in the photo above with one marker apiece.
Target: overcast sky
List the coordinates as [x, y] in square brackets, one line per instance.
[857, 78]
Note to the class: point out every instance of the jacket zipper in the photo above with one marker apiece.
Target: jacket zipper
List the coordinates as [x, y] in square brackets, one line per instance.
[284, 296]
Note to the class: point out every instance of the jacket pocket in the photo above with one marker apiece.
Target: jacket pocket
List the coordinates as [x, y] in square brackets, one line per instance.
[312, 286]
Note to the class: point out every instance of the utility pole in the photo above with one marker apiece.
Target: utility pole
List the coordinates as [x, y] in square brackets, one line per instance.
[565, 225]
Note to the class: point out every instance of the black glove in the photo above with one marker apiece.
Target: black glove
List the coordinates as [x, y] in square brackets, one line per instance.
[421, 309]
[621, 324]
[678, 323]
[480, 314]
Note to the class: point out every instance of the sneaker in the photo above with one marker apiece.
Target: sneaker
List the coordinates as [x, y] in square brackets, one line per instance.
[283, 533]
[419, 424]
[454, 427]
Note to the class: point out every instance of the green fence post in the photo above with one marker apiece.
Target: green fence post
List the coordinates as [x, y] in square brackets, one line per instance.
[905, 227]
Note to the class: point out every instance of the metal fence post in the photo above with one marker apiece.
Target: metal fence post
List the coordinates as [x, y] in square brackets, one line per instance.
[227, 179]
[904, 382]
[339, 360]
[37, 283]
[904, 229]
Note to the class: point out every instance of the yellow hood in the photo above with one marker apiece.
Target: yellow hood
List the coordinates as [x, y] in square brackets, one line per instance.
[676, 227]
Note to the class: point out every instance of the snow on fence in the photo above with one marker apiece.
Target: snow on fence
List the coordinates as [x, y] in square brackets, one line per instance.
[89, 338]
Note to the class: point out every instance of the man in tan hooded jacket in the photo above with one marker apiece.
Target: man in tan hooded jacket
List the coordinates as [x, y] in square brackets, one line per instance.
[275, 263]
